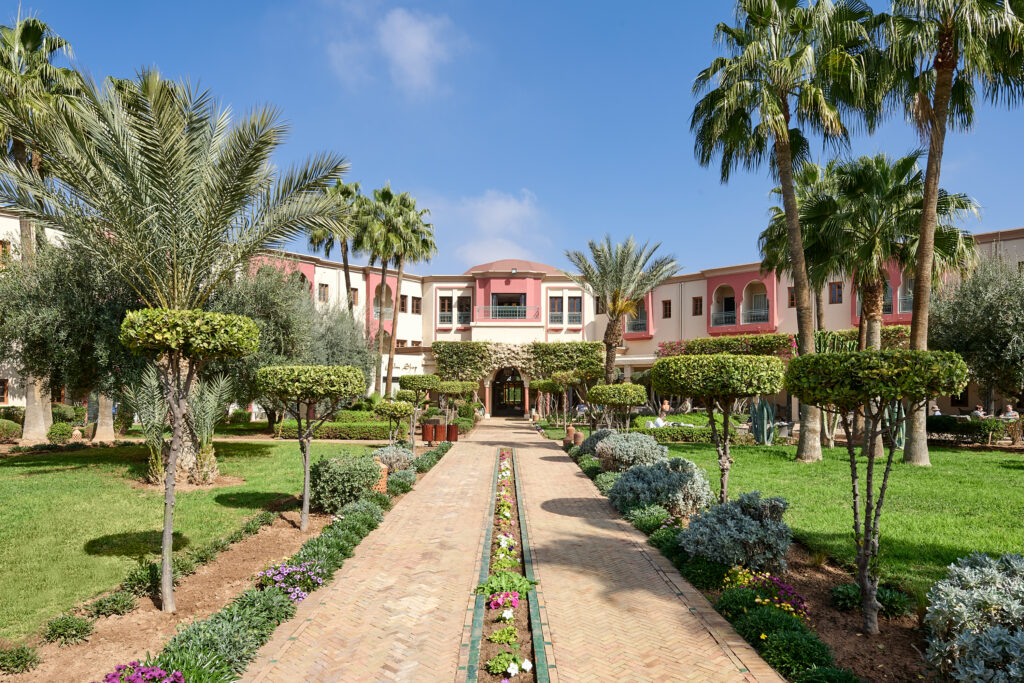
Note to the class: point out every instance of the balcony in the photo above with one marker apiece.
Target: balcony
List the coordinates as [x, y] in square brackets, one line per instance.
[508, 312]
[907, 304]
[386, 313]
[723, 318]
[754, 315]
[575, 318]
[637, 325]
[465, 317]
[554, 318]
[444, 318]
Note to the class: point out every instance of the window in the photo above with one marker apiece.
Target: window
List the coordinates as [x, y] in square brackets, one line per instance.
[399, 343]
[835, 292]
[575, 310]
[321, 292]
[666, 308]
[444, 315]
[417, 305]
[792, 297]
[417, 342]
[403, 304]
[698, 305]
[3, 390]
[465, 308]
[555, 310]
[354, 293]
[599, 305]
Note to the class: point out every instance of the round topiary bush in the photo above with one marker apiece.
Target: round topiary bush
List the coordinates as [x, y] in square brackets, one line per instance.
[59, 433]
[395, 457]
[10, 431]
[622, 451]
[677, 484]
[335, 482]
[747, 532]
[406, 395]
[193, 333]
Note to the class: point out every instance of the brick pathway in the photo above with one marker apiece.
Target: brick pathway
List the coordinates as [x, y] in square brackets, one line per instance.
[616, 609]
[396, 610]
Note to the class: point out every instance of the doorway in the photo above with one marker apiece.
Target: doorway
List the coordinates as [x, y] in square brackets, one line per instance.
[507, 393]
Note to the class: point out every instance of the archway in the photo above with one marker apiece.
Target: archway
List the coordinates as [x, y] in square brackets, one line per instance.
[508, 393]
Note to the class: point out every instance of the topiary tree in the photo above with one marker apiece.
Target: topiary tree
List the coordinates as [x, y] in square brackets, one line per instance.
[719, 379]
[618, 397]
[421, 386]
[394, 412]
[874, 379]
[450, 390]
[548, 387]
[311, 393]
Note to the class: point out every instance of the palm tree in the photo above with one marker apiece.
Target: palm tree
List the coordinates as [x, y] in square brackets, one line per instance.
[415, 244]
[348, 196]
[31, 83]
[786, 63]
[942, 49]
[159, 187]
[619, 276]
[378, 233]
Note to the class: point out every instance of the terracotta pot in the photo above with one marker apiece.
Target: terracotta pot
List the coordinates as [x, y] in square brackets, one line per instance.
[453, 433]
[428, 433]
[570, 431]
[577, 439]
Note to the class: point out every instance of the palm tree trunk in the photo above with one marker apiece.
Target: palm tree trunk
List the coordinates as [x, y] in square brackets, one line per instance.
[819, 308]
[394, 324]
[612, 339]
[809, 447]
[915, 451]
[348, 274]
[379, 303]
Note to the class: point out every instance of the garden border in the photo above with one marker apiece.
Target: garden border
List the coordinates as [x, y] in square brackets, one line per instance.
[540, 660]
[479, 602]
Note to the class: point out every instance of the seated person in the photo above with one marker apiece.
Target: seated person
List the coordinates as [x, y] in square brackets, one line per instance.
[660, 422]
[979, 412]
[936, 411]
[1009, 413]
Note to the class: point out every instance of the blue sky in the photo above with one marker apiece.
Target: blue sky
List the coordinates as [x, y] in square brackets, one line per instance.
[526, 127]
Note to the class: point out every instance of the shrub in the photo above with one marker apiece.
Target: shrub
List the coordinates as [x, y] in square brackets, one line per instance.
[677, 484]
[767, 621]
[793, 652]
[10, 431]
[591, 467]
[401, 481]
[464, 424]
[364, 509]
[18, 659]
[622, 451]
[342, 430]
[118, 602]
[240, 417]
[739, 344]
[770, 590]
[748, 532]
[735, 602]
[67, 629]
[15, 414]
[605, 481]
[975, 619]
[505, 582]
[648, 518]
[406, 396]
[466, 410]
[123, 419]
[703, 573]
[62, 412]
[665, 540]
[895, 603]
[947, 427]
[845, 597]
[827, 674]
[335, 482]
[381, 500]
[573, 452]
[618, 395]
[195, 334]
[59, 433]
[589, 445]
[395, 457]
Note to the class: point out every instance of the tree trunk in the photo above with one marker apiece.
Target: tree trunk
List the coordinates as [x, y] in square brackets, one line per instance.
[612, 339]
[348, 273]
[304, 447]
[271, 419]
[394, 324]
[724, 459]
[819, 309]
[915, 451]
[871, 312]
[176, 390]
[380, 298]
[105, 419]
[809, 446]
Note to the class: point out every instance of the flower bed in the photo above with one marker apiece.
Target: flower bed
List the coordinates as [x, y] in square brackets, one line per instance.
[506, 650]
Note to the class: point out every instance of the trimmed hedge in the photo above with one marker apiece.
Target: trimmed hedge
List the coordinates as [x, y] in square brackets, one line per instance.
[195, 333]
[618, 395]
[13, 413]
[682, 434]
[10, 431]
[721, 376]
[739, 344]
[343, 430]
[947, 427]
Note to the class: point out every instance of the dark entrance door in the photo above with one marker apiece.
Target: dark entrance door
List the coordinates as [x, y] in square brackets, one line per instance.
[507, 393]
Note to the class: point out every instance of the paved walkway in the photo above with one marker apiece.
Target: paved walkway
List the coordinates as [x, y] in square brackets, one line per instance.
[616, 609]
[397, 609]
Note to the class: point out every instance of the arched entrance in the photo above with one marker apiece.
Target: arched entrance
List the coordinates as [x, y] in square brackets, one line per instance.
[507, 393]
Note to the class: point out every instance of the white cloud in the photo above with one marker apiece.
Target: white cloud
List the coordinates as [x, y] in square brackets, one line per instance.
[412, 46]
[488, 227]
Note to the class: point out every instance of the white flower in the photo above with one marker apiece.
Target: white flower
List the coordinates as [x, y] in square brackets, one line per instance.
[526, 665]
[512, 669]
[507, 615]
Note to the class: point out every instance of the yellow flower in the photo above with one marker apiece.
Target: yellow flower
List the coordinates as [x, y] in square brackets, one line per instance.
[763, 636]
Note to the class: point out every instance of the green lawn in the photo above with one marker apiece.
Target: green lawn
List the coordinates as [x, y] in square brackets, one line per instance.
[72, 524]
[558, 432]
[966, 501]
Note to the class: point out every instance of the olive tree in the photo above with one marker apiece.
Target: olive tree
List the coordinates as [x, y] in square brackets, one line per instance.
[312, 394]
[421, 386]
[842, 382]
[618, 398]
[394, 412]
[719, 379]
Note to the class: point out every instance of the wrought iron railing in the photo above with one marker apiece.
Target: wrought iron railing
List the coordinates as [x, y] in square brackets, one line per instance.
[444, 318]
[554, 317]
[386, 313]
[637, 325]
[723, 318]
[464, 317]
[755, 315]
[907, 304]
[508, 312]
[575, 318]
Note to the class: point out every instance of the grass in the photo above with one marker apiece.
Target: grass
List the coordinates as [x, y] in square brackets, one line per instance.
[73, 525]
[967, 501]
[558, 432]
